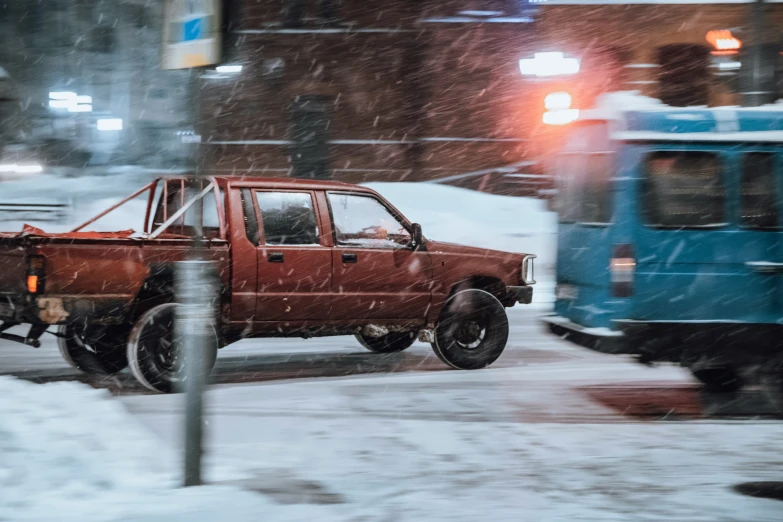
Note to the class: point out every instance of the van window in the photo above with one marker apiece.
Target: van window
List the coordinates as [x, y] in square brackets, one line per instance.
[596, 190]
[567, 173]
[683, 189]
[759, 194]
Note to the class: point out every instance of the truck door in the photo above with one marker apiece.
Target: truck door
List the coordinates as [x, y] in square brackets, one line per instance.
[376, 275]
[294, 267]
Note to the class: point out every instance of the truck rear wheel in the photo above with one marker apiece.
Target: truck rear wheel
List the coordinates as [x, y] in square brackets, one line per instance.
[472, 330]
[390, 343]
[155, 353]
[94, 350]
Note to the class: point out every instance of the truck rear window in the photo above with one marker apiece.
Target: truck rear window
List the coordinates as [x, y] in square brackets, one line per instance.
[759, 193]
[682, 189]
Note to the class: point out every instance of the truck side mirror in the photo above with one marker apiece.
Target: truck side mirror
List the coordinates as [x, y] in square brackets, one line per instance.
[416, 234]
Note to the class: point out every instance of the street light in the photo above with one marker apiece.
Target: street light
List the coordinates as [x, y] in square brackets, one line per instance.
[549, 64]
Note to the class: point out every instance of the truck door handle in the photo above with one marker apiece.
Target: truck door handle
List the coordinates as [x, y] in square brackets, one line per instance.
[349, 258]
[275, 257]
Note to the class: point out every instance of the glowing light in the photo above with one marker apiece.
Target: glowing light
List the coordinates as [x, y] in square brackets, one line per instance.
[729, 66]
[557, 101]
[33, 168]
[560, 117]
[109, 124]
[61, 95]
[549, 64]
[229, 68]
[723, 40]
[32, 284]
[70, 101]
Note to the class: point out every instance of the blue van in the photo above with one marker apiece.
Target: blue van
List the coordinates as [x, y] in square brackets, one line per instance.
[669, 244]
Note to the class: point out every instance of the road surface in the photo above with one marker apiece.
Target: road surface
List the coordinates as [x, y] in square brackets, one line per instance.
[549, 432]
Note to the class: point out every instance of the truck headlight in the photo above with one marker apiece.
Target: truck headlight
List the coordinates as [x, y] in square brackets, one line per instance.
[528, 274]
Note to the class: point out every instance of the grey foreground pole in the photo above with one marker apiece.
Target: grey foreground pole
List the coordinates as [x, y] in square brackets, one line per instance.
[196, 289]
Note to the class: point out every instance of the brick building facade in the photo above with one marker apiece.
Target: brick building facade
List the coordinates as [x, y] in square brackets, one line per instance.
[421, 89]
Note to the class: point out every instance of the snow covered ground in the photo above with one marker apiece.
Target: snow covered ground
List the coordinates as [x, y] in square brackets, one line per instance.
[71, 453]
[506, 444]
[339, 433]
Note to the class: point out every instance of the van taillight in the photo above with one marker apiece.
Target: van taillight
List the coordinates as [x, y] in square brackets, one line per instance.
[622, 267]
[36, 274]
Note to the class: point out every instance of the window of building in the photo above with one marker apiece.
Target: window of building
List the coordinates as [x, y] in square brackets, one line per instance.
[288, 218]
[362, 221]
[683, 189]
[310, 136]
[758, 208]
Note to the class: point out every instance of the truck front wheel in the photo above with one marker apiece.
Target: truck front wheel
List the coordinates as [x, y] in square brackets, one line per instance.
[94, 350]
[472, 330]
[155, 354]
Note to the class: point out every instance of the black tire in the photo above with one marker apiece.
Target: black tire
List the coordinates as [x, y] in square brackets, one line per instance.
[153, 351]
[472, 330]
[724, 380]
[95, 350]
[390, 343]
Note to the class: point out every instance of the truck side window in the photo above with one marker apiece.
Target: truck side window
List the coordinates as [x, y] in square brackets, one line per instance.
[362, 221]
[178, 193]
[759, 194]
[288, 218]
[683, 189]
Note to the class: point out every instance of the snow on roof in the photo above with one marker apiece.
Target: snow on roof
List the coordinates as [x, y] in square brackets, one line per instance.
[637, 117]
[612, 105]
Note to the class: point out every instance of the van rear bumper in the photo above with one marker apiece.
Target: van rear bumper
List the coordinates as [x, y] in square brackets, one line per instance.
[599, 339]
[674, 341]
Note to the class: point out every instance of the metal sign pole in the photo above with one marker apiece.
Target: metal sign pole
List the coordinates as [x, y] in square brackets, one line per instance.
[192, 40]
[195, 323]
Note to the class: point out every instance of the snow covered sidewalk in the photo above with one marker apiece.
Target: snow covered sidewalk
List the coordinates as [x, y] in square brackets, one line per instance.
[71, 453]
[502, 444]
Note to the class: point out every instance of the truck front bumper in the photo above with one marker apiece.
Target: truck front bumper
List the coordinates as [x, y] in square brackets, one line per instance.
[519, 294]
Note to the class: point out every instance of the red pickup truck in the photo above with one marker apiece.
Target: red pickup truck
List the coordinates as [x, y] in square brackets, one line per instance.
[295, 258]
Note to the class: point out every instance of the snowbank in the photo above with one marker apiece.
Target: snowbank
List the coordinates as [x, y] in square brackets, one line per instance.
[87, 196]
[473, 218]
[68, 453]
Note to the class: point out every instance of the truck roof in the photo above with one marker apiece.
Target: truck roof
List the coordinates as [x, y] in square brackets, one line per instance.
[287, 183]
[637, 118]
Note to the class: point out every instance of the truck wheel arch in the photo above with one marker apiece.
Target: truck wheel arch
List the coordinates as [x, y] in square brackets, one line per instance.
[492, 285]
[158, 288]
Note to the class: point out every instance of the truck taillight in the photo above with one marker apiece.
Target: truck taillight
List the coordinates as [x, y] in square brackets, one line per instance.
[622, 267]
[36, 274]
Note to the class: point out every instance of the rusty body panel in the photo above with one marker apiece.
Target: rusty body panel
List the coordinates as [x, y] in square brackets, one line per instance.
[324, 288]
